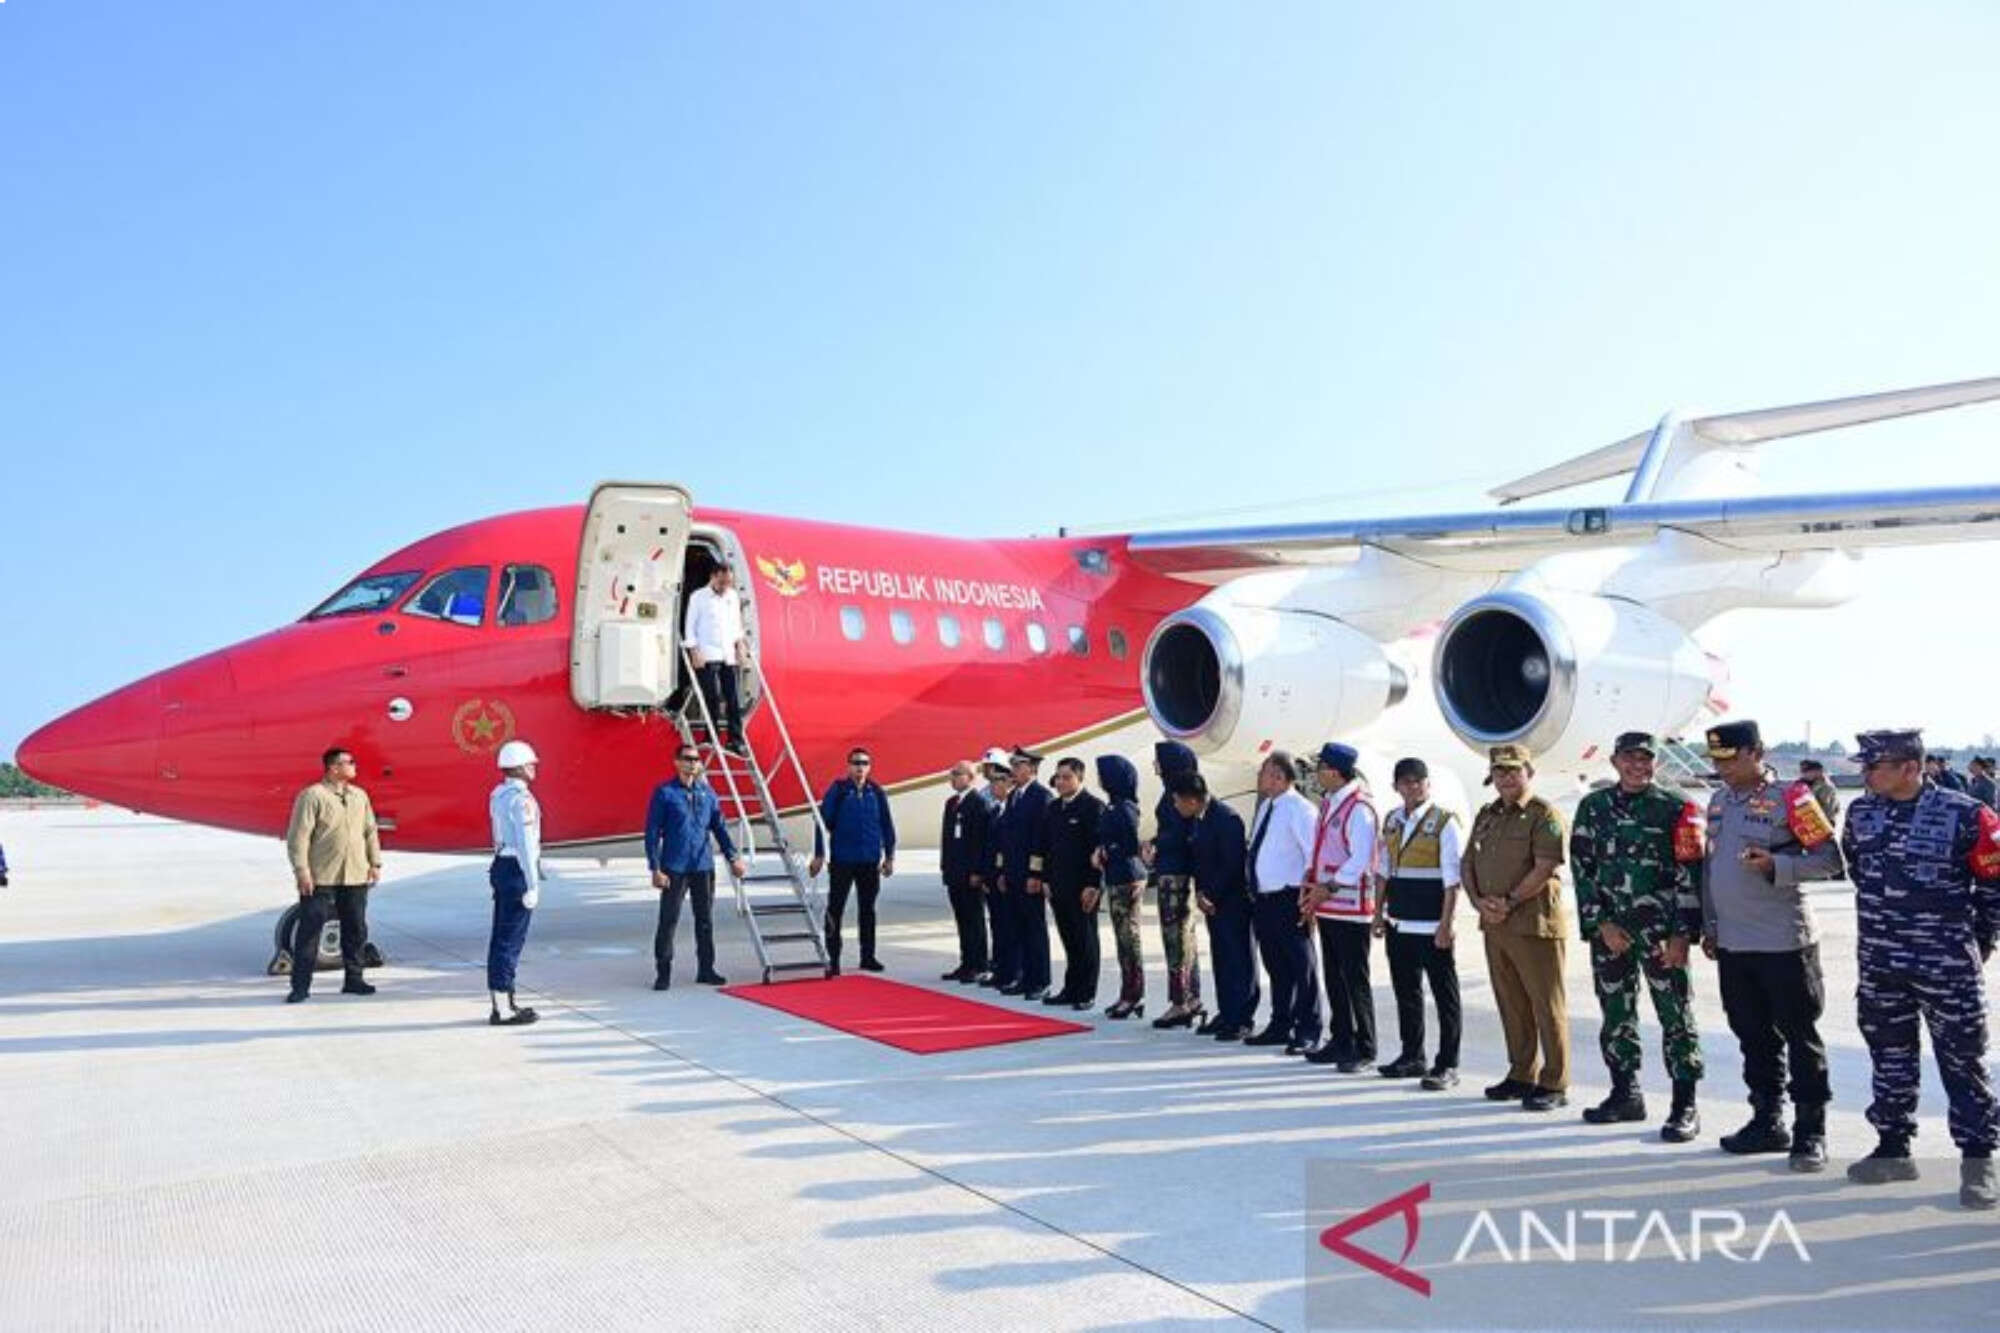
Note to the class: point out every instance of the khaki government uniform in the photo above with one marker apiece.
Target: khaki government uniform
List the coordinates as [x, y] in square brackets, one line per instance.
[332, 838]
[1524, 953]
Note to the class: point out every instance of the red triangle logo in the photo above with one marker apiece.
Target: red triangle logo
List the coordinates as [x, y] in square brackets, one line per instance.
[1336, 1238]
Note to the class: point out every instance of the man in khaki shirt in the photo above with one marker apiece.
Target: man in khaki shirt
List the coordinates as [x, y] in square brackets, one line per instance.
[1509, 871]
[336, 855]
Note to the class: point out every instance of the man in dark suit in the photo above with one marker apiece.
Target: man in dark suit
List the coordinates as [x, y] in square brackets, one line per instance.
[1222, 892]
[963, 858]
[1014, 833]
[1068, 842]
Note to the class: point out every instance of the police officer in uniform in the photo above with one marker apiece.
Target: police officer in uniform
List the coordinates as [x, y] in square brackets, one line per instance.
[1925, 862]
[1766, 840]
[1067, 846]
[1510, 873]
[1635, 854]
[1937, 767]
[516, 876]
[962, 863]
[1021, 867]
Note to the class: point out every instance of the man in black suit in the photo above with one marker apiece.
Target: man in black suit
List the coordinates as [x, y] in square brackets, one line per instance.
[1068, 845]
[963, 858]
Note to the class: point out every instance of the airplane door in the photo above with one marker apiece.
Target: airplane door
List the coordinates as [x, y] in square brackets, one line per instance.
[624, 638]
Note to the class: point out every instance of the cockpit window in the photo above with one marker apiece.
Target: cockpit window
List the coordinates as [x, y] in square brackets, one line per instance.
[527, 595]
[457, 595]
[370, 592]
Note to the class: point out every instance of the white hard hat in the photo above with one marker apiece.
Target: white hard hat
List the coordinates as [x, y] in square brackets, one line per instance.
[516, 754]
[996, 758]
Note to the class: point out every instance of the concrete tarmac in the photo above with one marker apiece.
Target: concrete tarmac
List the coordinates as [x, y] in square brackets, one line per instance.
[183, 1150]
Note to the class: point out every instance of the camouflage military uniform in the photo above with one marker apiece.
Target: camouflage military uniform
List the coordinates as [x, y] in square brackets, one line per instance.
[1630, 872]
[1926, 878]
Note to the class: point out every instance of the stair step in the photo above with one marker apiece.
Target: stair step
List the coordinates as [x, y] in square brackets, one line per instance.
[797, 967]
[775, 909]
[774, 878]
[777, 936]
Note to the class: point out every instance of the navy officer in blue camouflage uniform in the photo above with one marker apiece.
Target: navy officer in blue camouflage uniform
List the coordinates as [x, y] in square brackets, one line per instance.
[1925, 862]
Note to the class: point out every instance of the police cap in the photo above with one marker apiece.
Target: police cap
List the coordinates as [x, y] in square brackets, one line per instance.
[1726, 738]
[1342, 759]
[1023, 755]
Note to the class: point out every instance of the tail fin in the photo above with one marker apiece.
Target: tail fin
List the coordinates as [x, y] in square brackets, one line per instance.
[1668, 452]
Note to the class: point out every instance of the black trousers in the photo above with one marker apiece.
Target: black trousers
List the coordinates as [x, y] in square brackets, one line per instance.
[718, 685]
[1412, 958]
[968, 911]
[1232, 952]
[1774, 1002]
[1083, 956]
[1287, 952]
[350, 903]
[1350, 997]
[698, 887]
[1001, 915]
[843, 878]
[1031, 936]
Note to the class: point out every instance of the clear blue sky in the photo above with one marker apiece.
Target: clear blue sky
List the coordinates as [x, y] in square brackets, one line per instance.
[288, 285]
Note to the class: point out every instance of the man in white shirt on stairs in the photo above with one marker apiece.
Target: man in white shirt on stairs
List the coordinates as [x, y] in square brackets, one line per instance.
[713, 635]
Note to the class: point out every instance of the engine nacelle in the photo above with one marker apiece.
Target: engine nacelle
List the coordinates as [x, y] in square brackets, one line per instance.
[1562, 672]
[1231, 680]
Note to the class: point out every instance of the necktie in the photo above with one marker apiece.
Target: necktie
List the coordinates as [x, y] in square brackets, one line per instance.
[1257, 841]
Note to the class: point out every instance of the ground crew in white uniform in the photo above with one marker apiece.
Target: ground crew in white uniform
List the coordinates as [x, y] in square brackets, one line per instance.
[515, 877]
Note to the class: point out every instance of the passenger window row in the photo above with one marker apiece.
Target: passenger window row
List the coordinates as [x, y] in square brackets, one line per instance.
[903, 630]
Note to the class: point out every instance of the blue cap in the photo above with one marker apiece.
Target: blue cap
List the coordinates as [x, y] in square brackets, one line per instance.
[1875, 747]
[1340, 758]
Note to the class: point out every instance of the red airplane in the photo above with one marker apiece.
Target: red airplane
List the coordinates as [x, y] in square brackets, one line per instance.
[1436, 635]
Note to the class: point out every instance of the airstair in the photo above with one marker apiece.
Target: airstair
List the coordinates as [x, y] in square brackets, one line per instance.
[781, 907]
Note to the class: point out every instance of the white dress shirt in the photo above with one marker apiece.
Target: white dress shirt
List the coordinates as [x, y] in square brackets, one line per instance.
[714, 624]
[1288, 826]
[1404, 825]
[517, 828]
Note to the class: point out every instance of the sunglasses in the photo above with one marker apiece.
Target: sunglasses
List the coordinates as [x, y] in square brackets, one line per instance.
[688, 758]
[859, 763]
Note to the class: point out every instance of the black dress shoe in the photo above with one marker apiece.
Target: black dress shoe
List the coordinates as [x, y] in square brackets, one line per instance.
[833, 969]
[1440, 1080]
[1297, 1047]
[1013, 988]
[297, 997]
[1039, 993]
[1326, 1053]
[872, 965]
[956, 974]
[663, 983]
[1509, 1090]
[984, 979]
[1060, 997]
[1081, 1005]
[711, 979]
[518, 1019]
[1403, 1067]
[1269, 1037]
[1544, 1099]
[1229, 1032]
[357, 987]
[1208, 1027]
[1350, 1066]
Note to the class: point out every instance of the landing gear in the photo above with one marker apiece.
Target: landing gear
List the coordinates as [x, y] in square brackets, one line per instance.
[329, 946]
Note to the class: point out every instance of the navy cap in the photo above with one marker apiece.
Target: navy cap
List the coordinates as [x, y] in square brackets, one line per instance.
[1342, 759]
[1023, 755]
[1635, 740]
[1726, 738]
[1875, 747]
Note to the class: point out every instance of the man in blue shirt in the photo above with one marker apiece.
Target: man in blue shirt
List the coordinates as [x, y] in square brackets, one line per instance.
[683, 816]
[855, 811]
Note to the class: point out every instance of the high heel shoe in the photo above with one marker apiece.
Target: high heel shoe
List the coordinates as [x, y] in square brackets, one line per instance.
[1124, 1010]
[1183, 1018]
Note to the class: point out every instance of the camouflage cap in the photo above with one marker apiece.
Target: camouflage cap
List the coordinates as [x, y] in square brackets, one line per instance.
[1726, 738]
[1875, 747]
[1629, 741]
[1507, 756]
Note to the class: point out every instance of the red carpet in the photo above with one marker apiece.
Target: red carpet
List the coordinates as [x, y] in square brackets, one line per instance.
[910, 1018]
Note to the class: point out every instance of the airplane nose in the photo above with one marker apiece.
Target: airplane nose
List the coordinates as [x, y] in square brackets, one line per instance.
[108, 749]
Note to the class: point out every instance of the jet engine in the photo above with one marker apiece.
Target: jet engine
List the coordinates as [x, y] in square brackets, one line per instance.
[1562, 672]
[1231, 680]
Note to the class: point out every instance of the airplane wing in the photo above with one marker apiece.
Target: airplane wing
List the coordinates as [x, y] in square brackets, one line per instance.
[1504, 540]
[1500, 541]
